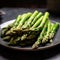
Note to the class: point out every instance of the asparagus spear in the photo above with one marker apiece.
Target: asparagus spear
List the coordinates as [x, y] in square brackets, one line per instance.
[51, 40]
[37, 22]
[30, 19]
[15, 24]
[36, 18]
[46, 15]
[11, 42]
[46, 37]
[17, 39]
[14, 40]
[24, 37]
[53, 31]
[7, 38]
[10, 26]
[37, 43]
[24, 18]
[17, 21]
[5, 29]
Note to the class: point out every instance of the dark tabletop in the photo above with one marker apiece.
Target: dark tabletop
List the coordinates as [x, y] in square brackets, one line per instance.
[10, 54]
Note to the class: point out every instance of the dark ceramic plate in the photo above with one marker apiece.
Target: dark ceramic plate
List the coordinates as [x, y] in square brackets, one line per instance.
[55, 42]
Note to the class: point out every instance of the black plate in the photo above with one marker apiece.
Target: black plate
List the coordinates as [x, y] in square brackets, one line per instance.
[55, 42]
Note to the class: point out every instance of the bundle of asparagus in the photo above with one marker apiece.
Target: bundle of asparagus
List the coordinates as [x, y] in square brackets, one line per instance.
[30, 29]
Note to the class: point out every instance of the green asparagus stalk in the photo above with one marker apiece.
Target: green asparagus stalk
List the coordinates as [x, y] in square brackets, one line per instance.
[17, 39]
[12, 42]
[24, 18]
[46, 37]
[30, 20]
[46, 15]
[5, 29]
[38, 42]
[53, 31]
[37, 22]
[7, 38]
[15, 24]
[17, 20]
[24, 37]
[51, 40]
[36, 18]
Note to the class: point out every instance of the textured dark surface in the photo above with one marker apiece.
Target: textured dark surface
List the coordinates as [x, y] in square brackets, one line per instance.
[23, 3]
[9, 54]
